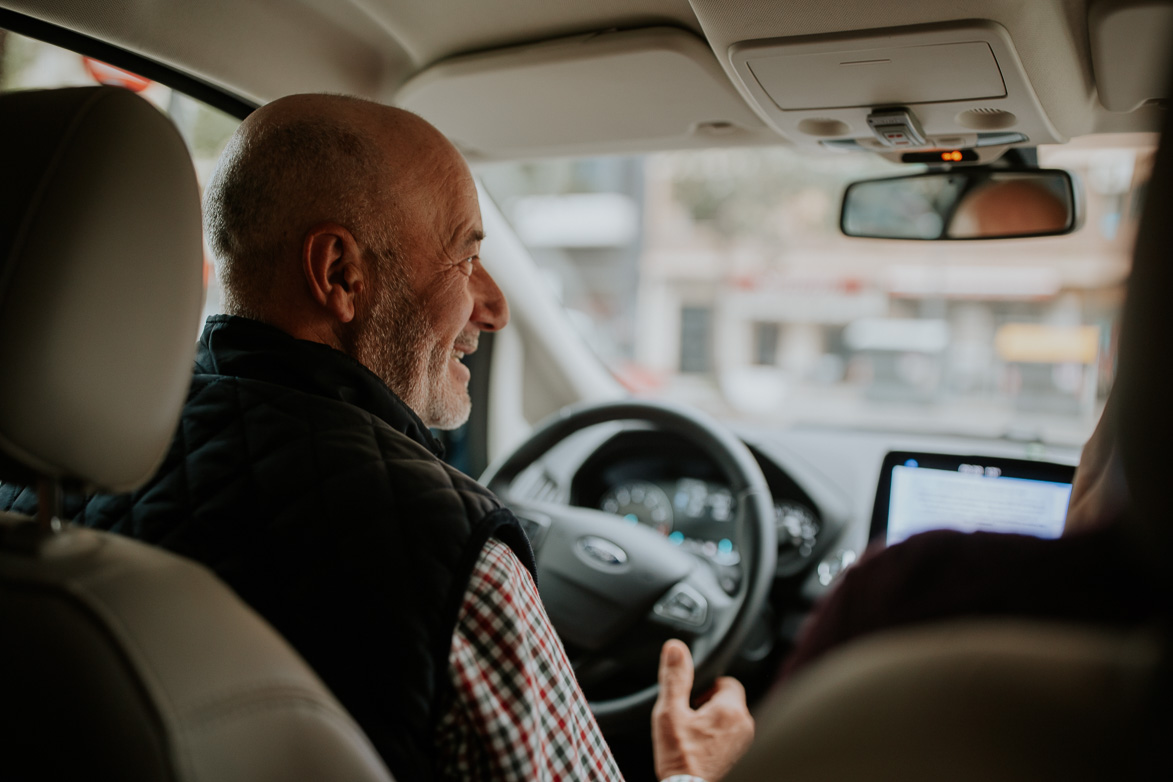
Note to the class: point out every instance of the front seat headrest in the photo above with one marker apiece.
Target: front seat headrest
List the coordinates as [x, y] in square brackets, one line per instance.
[101, 269]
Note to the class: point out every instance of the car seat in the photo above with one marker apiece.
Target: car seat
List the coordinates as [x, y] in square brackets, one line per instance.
[118, 660]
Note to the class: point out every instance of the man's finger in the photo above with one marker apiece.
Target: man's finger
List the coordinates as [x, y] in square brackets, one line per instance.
[675, 673]
[727, 686]
[726, 691]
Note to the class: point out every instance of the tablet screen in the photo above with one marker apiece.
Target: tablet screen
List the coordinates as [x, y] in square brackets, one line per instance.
[919, 492]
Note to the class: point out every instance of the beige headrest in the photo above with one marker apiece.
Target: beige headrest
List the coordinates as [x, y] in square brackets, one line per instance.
[101, 284]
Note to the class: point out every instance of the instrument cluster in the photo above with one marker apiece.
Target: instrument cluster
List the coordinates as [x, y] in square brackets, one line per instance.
[669, 485]
[692, 513]
[698, 514]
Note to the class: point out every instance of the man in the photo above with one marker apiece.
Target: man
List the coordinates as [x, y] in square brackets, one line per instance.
[347, 237]
[1090, 574]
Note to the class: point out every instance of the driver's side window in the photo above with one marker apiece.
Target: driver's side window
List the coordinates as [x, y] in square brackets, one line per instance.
[27, 63]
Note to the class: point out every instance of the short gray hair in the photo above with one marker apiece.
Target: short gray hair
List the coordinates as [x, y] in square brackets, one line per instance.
[272, 183]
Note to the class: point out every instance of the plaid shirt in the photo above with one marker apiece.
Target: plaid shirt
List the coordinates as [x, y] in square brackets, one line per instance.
[518, 712]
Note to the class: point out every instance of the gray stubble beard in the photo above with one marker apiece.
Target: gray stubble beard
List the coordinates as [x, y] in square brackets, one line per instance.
[390, 339]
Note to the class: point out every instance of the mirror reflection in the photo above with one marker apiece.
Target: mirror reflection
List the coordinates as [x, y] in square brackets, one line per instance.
[972, 203]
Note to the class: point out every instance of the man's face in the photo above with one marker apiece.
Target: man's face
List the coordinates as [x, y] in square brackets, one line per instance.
[432, 298]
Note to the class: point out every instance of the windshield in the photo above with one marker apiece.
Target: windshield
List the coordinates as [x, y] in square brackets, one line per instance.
[719, 278]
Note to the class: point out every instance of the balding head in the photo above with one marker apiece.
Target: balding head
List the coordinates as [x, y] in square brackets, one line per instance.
[357, 225]
[301, 161]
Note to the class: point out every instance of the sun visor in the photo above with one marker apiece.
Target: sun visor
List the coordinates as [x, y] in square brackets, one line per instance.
[963, 82]
[1130, 52]
[622, 91]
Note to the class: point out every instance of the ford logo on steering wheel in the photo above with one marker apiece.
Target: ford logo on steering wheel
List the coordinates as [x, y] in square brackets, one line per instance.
[601, 553]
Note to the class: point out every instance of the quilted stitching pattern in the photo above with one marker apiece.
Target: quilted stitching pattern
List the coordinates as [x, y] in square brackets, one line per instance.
[349, 536]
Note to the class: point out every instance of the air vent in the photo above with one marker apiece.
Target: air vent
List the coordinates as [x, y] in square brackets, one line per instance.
[547, 490]
[536, 484]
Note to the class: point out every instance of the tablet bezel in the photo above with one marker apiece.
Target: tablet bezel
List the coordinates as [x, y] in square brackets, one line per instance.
[1010, 468]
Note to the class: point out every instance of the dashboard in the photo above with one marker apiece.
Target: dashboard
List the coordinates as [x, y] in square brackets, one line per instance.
[648, 477]
[690, 512]
[697, 513]
[823, 483]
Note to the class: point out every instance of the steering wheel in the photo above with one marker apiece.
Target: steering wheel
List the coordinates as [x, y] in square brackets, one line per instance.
[605, 583]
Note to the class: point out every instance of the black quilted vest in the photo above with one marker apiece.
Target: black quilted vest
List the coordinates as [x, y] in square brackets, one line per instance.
[318, 496]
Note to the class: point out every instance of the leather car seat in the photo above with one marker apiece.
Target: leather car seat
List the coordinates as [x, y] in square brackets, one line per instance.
[1017, 700]
[117, 660]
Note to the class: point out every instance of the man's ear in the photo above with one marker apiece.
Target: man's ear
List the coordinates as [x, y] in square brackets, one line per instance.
[332, 264]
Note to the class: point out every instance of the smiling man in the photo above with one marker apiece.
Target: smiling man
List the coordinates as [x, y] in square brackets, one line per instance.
[387, 267]
[303, 472]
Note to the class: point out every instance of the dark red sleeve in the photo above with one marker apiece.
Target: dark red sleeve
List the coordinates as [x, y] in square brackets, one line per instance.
[832, 621]
[928, 576]
[943, 575]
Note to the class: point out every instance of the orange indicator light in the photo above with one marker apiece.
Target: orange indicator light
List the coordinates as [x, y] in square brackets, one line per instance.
[954, 156]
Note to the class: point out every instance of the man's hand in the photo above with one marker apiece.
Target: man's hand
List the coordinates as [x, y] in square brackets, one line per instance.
[706, 741]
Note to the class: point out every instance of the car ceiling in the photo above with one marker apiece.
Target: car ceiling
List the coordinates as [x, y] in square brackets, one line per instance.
[383, 49]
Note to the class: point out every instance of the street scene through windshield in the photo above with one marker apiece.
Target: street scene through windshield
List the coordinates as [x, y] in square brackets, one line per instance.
[720, 278]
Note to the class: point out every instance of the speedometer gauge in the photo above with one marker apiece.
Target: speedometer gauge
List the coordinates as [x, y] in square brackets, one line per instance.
[798, 528]
[640, 502]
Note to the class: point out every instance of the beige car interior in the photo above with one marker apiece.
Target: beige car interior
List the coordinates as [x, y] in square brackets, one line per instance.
[173, 678]
[120, 661]
[527, 78]
[969, 700]
[530, 78]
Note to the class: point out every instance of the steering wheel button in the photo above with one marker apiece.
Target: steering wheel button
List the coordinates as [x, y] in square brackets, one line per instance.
[683, 604]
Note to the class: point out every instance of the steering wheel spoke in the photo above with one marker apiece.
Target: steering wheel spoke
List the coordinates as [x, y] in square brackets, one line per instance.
[599, 576]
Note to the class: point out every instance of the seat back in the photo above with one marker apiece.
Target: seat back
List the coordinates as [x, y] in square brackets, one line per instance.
[118, 660]
[968, 701]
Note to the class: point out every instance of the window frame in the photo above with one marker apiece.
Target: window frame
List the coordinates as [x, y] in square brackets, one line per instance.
[49, 33]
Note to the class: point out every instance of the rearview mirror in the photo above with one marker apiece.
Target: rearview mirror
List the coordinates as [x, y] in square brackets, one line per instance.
[965, 203]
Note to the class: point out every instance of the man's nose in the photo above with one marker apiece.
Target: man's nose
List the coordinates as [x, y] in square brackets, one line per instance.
[490, 310]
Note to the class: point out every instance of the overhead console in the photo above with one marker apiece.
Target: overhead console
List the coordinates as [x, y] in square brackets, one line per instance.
[944, 86]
